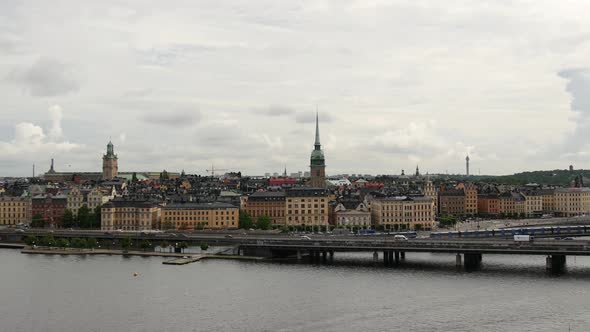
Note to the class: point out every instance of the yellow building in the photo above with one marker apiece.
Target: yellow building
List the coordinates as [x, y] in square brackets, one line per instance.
[97, 197]
[201, 215]
[404, 212]
[307, 206]
[470, 197]
[533, 203]
[271, 204]
[14, 210]
[572, 201]
[548, 197]
[130, 215]
[75, 200]
[519, 203]
[430, 191]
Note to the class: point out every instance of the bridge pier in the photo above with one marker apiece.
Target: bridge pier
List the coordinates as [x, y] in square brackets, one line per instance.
[472, 261]
[390, 258]
[396, 257]
[324, 256]
[298, 255]
[458, 261]
[375, 257]
[403, 255]
[555, 263]
[385, 258]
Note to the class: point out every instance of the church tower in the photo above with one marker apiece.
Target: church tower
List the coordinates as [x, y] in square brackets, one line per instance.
[110, 168]
[318, 162]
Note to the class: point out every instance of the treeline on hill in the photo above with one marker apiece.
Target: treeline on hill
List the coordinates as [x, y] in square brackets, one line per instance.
[554, 177]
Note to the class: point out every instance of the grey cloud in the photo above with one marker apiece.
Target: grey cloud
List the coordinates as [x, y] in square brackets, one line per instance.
[218, 136]
[578, 86]
[138, 93]
[309, 117]
[275, 110]
[10, 44]
[174, 119]
[180, 53]
[48, 77]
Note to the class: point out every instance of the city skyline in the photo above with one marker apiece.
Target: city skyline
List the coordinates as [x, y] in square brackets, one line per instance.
[236, 88]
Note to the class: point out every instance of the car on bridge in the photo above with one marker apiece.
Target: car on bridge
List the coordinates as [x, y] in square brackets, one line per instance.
[399, 237]
[305, 237]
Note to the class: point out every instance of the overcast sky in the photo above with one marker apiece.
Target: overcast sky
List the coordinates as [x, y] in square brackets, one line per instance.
[186, 84]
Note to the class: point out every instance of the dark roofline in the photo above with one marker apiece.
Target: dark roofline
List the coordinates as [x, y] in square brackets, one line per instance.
[199, 206]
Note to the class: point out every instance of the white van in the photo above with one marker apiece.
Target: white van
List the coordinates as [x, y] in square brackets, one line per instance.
[523, 238]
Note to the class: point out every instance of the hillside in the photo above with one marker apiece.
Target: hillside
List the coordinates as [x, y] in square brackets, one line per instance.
[554, 177]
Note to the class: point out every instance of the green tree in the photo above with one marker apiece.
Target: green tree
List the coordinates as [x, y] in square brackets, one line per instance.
[97, 217]
[418, 227]
[263, 222]
[106, 243]
[245, 221]
[204, 246]
[84, 217]
[182, 246]
[145, 244]
[126, 243]
[62, 243]
[134, 177]
[78, 243]
[47, 240]
[448, 220]
[31, 240]
[91, 243]
[164, 245]
[67, 220]
[37, 221]
[167, 225]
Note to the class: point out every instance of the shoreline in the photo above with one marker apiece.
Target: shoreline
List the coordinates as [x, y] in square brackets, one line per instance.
[61, 251]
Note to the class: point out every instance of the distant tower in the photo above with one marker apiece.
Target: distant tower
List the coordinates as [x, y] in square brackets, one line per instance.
[318, 162]
[110, 167]
[417, 171]
[467, 165]
[51, 170]
[285, 172]
[403, 173]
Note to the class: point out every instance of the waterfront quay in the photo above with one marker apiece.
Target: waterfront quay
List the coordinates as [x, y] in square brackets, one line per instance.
[468, 253]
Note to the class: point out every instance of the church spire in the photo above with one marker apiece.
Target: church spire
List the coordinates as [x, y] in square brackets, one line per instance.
[317, 131]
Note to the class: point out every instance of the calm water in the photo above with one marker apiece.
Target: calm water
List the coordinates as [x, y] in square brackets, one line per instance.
[99, 293]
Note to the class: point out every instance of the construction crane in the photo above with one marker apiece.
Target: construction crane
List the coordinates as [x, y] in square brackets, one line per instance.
[213, 169]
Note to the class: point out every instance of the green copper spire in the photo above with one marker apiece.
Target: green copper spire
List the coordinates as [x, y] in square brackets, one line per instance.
[317, 155]
[110, 151]
[110, 148]
[317, 144]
